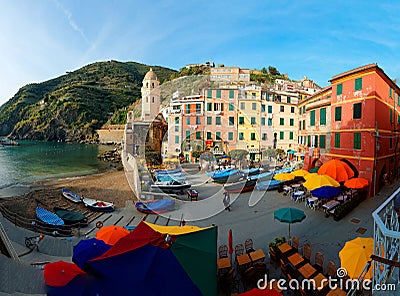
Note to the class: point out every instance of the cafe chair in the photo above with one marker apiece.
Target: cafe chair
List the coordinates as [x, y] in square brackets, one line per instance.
[249, 278]
[330, 270]
[307, 252]
[223, 251]
[295, 243]
[261, 270]
[239, 249]
[226, 282]
[319, 261]
[248, 244]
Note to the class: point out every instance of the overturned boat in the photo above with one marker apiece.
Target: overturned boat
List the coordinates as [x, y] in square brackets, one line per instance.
[171, 186]
[241, 186]
[155, 206]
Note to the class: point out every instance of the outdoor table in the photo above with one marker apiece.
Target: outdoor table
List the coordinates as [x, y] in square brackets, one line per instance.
[311, 200]
[307, 270]
[336, 292]
[330, 205]
[295, 259]
[296, 195]
[342, 198]
[318, 281]
[257, 255]
[243, 260]
[296, 186]
[284, 248]
[224, 263]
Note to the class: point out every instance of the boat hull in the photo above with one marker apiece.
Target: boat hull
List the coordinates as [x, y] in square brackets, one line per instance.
[98, 205]
[75, 198]
[156, 206]
[242, 186]
[48, 217]
[71, 217]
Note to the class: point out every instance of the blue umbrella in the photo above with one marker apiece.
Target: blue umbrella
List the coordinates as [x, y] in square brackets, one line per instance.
[88, 249]
[326, 192]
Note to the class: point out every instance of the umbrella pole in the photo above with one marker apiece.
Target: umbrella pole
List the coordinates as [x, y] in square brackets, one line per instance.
[289, 231]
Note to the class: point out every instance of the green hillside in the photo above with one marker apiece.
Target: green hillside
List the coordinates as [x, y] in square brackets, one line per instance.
[72, 106]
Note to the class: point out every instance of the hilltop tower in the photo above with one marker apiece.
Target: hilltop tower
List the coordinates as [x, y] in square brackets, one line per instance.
[150, 96]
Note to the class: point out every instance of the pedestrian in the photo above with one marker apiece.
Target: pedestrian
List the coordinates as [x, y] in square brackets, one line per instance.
[227, 201]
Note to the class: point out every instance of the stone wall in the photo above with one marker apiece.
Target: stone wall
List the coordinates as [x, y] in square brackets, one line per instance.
[112, 134]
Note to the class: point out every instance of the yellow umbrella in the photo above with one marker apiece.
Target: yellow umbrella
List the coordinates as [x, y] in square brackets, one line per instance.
[318, 181]
[284, 176]
[310, 175]
[300, 173]
[355, 255]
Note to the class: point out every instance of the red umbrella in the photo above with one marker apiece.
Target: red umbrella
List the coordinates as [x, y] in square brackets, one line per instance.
[230, 241]
[111, 234]
[258, 292]
[60, 273]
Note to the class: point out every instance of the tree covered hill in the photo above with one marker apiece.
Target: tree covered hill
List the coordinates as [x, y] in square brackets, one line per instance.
[72, 106]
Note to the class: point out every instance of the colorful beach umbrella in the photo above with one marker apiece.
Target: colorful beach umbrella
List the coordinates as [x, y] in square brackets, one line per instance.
[326, 192]
[60, 273]
[300, 173]
[111, 234]
[284, 177]
[318, 181]
[356, 183]
[259, 292]
[152, 260]
[314, 170]
[289, 215]
[309, 176]
[338, 170]
[88, 249]
[355, 255]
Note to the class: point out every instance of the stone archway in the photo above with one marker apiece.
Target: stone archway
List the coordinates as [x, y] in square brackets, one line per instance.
[351, 166]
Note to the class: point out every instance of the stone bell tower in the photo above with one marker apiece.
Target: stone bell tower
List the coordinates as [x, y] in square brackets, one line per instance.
[150, 96]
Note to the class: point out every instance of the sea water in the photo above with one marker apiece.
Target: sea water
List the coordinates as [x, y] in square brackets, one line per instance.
[33, 161]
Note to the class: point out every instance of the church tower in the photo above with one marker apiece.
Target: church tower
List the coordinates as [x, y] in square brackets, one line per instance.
[150, 96]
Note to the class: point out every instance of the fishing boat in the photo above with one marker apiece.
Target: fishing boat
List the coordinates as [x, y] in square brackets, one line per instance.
[98, 205]
[224, 176]
[71, 196]
[241, 186]
[48, 217]
[161, 172]
[268, 185]
[156, 206]
[212, 173]
[261, 176]
[171, 186]
[250, 171]
[170, 177]
[71, 217]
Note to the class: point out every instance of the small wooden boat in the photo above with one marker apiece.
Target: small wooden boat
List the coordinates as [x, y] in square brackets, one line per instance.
[171, 186]
[268, 185]
[226, 176]
[170, 177]
[162, 172]
[71, 217]
[250, 171]
[241, 186]
[98, 205]
[71, 196]
[212, 173]
[48, 217]
[156, 206]
[262, 176]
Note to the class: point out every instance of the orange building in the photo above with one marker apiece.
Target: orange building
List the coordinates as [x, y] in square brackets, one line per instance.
[365, 120]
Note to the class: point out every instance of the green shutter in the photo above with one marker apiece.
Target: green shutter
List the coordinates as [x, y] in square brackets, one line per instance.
[209, 106]
[253, 136]
[241, 120]
[281, 121]
[339, 89]
[308, 140]
[322, 116]
[322, 141]
[391, 116]
[218, 93]
[312, 118]
[231, 94]
[291, 122]
[357, 140]
[338, 113]
[231, 107]
[358, 84]
[209, 93]
[281, 135]
[290, 135]
[390, 92]
[230, 136]
[337, 140]
[269, 109]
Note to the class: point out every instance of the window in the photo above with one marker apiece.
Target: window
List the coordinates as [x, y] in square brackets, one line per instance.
[253, 120]
[262, 120]
[218, 120]
[231, 107]
[218, 93]
[188, 135]
[262, 108]
[304, 124]
[209, 120]
[357, 111]
[358, 84]
[281, 121]
[312, 118]
[322, 139]
[338, 113]
[391, 116]
[209, 106]
[290, 135]
[390, 143]
[177, 128]
[264, 136]
[198, 108]
[322, 116]
[176, 139]
[269, 121]
[337, 140]
[241, 137]
[269, 109]
[288, 100]
[231, 94]
[398, 100]
[281, 135]
[291, 109]
[270, 97]
[187, 108]
[253, 136]
[299, 124]
[291, 121]
[390, 92]
[242, 106]
[253, 106]
[308, 140]
[218, 136]
[209, 93]
[187, 120]
[315, 141]
[241, 120]
[209, 136]
[176, 120]
[282, 108]
[197, 119]
[231, 120]
[301, 110]
[230, 136]
[339, 89]
[357, 140]
[198, 135]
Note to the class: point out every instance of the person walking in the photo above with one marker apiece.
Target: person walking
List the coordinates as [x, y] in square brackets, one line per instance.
[227, 201]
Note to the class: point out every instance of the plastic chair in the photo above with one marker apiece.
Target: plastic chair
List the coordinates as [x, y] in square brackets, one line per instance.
[239, 250]
[248, 244]
[307, 251]
[223, 251]
[319, 261]
[295, 243]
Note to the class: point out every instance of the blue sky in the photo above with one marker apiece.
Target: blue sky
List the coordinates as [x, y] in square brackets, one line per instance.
[43, 39]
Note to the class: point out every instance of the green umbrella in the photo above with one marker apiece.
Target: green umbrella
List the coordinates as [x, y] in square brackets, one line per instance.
[289, 215]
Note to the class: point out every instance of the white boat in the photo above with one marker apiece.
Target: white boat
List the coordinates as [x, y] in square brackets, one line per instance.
[98, 205]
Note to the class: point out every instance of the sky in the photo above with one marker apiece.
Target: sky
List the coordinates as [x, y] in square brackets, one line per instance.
[44, 39]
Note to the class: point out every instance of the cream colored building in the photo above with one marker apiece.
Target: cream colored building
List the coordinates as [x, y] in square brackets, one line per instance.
[231, 74]
[150, 96]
